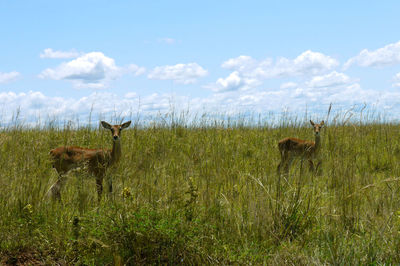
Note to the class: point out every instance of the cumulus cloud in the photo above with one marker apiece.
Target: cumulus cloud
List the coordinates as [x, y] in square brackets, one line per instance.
[315, 100]
[332, 87]
[233, 82]
[136, 70]
[91, 70]
[249, 72]
[288, 85]
[396, 80]
[50, 53]
[307, 63]
[180, 73]
[31, 102]
[330, 80]
[315, 94]
[167, 40]
[244, 63]
[131, 95]
[9, 76]
[385, 56]
[33, 105]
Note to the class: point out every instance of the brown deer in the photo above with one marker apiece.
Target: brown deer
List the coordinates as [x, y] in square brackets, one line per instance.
[290, 148]
[97, 161]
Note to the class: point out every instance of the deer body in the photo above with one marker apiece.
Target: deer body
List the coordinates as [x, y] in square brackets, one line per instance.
[97, 161]
[291, 148]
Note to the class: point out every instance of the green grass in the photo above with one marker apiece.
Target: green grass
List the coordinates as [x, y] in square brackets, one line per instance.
[204, 194]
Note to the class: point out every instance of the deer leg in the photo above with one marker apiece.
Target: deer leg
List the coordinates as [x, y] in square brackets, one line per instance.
[55, 189]
[301, 166]
[283, 163]
[109, 182]
[317, 168]
[278, 170]
[289, 162]
[311, 165]
[99, 186]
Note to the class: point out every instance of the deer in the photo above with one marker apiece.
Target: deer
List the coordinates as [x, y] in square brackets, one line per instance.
[96, 161]
[291, 148]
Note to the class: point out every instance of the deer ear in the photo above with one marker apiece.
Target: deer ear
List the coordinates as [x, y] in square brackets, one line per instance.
[105, 125]
[312, 123]
[322, 123]
[126, 124]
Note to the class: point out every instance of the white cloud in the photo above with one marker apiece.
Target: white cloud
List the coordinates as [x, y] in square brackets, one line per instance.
[288, 85]
[136, 70]
[233, 82]
[33, 105]
[396, 80]
[333, 87]
[92, 70]
[297, 100]
[50, 53]
[180, 73]
[243, 63]
[249, 73]
[30, 102]
[130, 95]
[167, 40]
[307, 63]
[385, 56]
[332, 79]
[315, 95]
[8, 77]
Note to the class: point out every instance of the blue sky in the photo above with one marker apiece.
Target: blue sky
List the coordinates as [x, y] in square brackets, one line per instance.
[66, 58]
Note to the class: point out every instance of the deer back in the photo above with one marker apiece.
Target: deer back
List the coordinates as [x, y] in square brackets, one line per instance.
[69, 157]
[297, 146]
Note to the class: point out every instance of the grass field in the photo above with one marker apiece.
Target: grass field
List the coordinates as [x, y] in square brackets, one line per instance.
[205, 194]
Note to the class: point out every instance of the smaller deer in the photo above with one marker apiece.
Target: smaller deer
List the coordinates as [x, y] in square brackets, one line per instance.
[290, 148]
[97, 161]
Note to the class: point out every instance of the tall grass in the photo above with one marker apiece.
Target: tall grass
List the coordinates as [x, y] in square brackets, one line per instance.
[205, 192]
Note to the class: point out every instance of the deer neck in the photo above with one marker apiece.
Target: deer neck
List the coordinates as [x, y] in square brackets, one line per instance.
[317, 141]
[115, 152]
